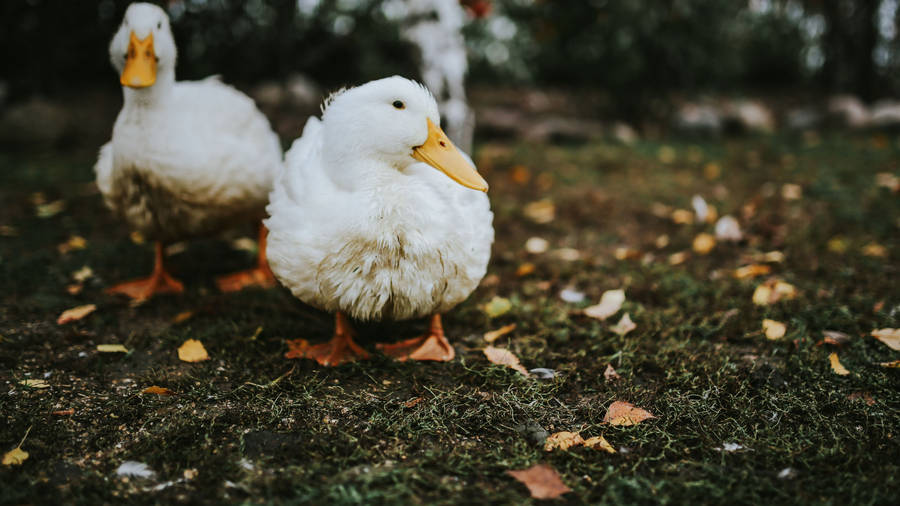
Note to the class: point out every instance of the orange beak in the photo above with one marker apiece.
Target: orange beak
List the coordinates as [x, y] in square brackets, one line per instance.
[441, 154]
[140, 63]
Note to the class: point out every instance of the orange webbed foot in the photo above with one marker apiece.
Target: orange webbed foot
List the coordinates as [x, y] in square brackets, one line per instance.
[433, 345]
[341, 349]
[157, 283]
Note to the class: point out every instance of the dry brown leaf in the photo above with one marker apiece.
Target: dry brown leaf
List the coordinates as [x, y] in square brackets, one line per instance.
[497, 306]
[543, 481]
[562, 440]
[599, 443]
[890, 337]
[497, 334]
[623, 253]
[15, 457]
[63, 412]
[682, 217]
[894, 364]
[610, 303]
[836, 365]
[111, 348]
[610, 374]
[412, 402]
[74, 288]
[501, 356]
[35, 383]
[75, 314]
[773, 291]
[835, 337]
[866, 396]
[182, 317]
[774, 330]
[752, 271]
[873, 249]
[192, 351]
[157, 390]
[525, 269]
[625, 413]
[624, 326]
[703, 243]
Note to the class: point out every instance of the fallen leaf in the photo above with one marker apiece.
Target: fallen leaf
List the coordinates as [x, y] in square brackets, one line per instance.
[610, 374]
[712, 170]
[791, 192]
[834, 337]
[63, 412]
[497, 307]
[773, 291]
[34, 383]
[887, 180]
[75, 242]
[296, 348]
[562, 440]
[728, 229]
[627, 253]
[541, 211]
[567, 254]
[75, 314]
[837, 245]
[15, 457]
[836, 365]
[775, 257]
[536, 245]
[192, 351]
[774, 330]
[892, 365]
[866, 396]
[520, 174]
[83, 274]
[543, 481]
[661, 241]
[74, 289]
[501, 356]
[703, 243]
[599, 443]
[624, 326]
[572, 296]
[682, 217]
[525, 269]
[873, 249]
[112, 348]
[678, 258]
[666, 154]
[157, 390]
[624, 413]
[182, 317]
[135, 469]
[752, 271]
[137, 238]
[50, 209]
[497, 334]
[610, 303]
[890, 337]
[412, 402]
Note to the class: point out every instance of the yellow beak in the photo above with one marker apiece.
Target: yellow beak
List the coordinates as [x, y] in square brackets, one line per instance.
[441, 154]
[140, 63]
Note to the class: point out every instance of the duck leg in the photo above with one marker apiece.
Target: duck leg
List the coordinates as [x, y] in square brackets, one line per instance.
[159, 281]
[260, 275]
[339, 350]
[433, 345]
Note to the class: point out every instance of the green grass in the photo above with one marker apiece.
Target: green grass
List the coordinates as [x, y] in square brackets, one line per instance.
[260, 428]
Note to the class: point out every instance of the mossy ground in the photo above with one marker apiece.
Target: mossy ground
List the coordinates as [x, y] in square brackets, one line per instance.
[260, 428]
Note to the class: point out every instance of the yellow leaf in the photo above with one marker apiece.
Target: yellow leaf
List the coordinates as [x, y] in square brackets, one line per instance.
[34, 383]
[157, 390]
[836, 365]
[496, 334]
[543, 481]
[682, 217]
[704, 243]
[752, 271]
[610, 303]
[182, 317]
[895, 364]
[75, 314]
[599, 443]
[505, 357]
[74, 242]
[192, 351]
[497, 306]
[774, 330]
[837, 244]
[624, 413]
[873, 249]
[112, 348]
[15, 457]
[525, 269]
[562, 440]
[890, 337]
[678, 258]
[137, 237]
[773, 291]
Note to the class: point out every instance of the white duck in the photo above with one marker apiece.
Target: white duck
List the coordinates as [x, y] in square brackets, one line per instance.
[378, 216]
[186, 158]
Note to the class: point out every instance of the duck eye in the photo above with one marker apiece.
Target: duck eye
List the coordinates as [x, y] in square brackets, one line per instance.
[398, 105]
[159, 25]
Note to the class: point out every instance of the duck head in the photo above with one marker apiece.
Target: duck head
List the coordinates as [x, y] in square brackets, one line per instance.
[143, 47]
[395, 121]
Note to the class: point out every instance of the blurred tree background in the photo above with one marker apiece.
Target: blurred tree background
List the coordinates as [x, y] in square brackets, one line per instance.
[634, 49]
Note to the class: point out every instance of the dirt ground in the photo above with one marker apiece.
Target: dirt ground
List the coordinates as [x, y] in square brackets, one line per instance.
[739, 418]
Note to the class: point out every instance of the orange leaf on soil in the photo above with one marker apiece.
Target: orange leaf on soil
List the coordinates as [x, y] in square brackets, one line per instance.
[625, 413]
[182, 317]
[296, 348]
[562, 440]
[497, 334]
[63, 412]
[75, 314]
[505, 357]
[599, 443]
[192, 351]
[890, 337]
[542, 481]
[752, 271]
[412, 402]
[157, 390]
[836, 365]
[895, 364]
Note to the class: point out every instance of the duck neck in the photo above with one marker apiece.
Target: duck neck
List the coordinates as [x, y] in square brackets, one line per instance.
[151, 95]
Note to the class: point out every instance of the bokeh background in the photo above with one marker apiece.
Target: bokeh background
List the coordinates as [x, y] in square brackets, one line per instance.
[655, 65]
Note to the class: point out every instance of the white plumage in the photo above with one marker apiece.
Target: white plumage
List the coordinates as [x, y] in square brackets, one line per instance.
[358, 226]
